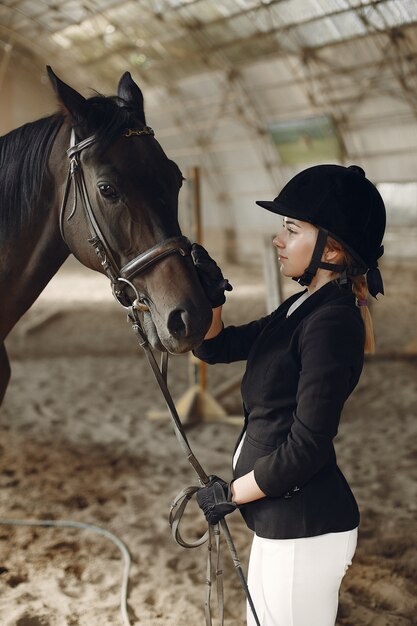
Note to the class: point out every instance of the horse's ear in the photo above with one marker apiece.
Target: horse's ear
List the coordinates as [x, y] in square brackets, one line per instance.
[70, 100]
[128, 91]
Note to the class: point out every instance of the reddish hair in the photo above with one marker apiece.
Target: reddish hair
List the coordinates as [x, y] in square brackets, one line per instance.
[360, 289]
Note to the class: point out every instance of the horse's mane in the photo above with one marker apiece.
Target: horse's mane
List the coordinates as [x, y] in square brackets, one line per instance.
[23, 162]
[24, 154]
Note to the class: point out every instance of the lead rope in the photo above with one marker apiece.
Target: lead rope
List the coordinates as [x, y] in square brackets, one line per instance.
[53, 523]
[180, 502]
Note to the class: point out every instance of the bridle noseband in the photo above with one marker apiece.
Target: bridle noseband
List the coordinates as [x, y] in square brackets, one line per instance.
[120, 278]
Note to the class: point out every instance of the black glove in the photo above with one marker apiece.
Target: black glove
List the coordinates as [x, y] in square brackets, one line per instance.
[215, 499]
[210, 274]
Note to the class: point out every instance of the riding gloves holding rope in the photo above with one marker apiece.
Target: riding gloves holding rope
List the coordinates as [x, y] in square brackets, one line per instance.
[210, 274]
[215, 499]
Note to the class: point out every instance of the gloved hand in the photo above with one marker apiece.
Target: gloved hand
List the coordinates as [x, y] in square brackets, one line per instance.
[210, 275]
[215, 499]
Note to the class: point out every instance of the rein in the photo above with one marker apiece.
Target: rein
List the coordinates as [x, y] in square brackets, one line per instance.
[182, 499]
[120, 278]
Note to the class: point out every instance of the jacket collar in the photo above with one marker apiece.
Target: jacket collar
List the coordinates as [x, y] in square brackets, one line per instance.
[331, 292]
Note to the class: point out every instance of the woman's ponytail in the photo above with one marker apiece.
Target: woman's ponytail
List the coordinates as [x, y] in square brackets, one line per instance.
[360, 290]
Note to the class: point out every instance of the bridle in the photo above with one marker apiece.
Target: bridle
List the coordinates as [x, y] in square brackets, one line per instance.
[120, 278]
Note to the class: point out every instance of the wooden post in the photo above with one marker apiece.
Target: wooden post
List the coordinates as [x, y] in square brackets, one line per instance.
[272, 276]
[197, 368]
[197, 405]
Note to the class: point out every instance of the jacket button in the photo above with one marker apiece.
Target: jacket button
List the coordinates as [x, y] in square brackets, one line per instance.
[290, 493]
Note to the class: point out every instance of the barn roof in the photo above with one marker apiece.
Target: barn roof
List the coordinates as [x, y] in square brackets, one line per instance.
[250, 90]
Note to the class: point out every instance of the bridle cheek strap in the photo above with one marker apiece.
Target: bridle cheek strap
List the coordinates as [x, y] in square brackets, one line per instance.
[119, 277]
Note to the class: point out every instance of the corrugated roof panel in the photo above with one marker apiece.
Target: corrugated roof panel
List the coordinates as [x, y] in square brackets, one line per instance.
[28, 7]
[397, 12]
[232, 8]
[238, 28]
[146, 23]
[328, 30]
[97, 6]
[180, 43]
[348, 25]
[355, 54]
[181, 48]
[175, 72]
[294, 11]
[204, 11]
[205, 89]
[289, 103]
[264, 19]
[178, 4]
[251, 49]
[274, 71]
[246, 4]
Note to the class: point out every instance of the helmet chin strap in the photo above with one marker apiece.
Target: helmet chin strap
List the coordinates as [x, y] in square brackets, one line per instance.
[316, 262]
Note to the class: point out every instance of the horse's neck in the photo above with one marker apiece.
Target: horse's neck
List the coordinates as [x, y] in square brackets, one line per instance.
[31, 258]
[33, 264]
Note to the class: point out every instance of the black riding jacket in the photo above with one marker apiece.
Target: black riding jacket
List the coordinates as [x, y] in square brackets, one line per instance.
[300, 371]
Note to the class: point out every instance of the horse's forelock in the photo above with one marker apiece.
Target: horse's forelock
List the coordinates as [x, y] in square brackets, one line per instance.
[108, 117]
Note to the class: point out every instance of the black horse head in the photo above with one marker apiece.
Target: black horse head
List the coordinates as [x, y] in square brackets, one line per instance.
[132, 188]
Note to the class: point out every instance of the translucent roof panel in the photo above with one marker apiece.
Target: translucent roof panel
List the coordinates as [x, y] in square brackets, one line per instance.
[172, 39]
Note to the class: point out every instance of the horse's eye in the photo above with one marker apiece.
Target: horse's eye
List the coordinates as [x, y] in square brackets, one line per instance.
[107, 191]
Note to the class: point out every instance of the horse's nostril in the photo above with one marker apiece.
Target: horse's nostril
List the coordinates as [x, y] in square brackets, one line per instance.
[177, 323]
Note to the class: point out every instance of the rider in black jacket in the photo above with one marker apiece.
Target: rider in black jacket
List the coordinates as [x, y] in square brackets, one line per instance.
[303, 362]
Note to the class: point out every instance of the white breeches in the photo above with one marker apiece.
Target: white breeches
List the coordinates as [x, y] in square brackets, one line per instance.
[295, 582]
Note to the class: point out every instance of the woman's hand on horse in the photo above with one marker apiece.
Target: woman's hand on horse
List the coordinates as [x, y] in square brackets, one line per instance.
[210, 274]
[215, 500]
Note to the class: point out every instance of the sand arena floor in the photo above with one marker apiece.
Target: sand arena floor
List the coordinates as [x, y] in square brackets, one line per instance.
[76, 444]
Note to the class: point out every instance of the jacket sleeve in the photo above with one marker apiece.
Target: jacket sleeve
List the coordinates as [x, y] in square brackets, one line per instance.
[233, 343]
[331, 354]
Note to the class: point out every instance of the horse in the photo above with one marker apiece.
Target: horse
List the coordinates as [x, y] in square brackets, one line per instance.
[91, 180]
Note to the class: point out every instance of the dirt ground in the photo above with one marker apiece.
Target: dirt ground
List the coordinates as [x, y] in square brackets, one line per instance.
[76, 443]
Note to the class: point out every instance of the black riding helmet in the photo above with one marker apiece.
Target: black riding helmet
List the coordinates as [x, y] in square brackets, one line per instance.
[341, 202]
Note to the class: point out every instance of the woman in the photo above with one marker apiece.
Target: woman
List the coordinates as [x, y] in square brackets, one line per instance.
[303, 362]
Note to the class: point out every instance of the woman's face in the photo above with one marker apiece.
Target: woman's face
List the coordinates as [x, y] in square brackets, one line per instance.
[295, 243]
